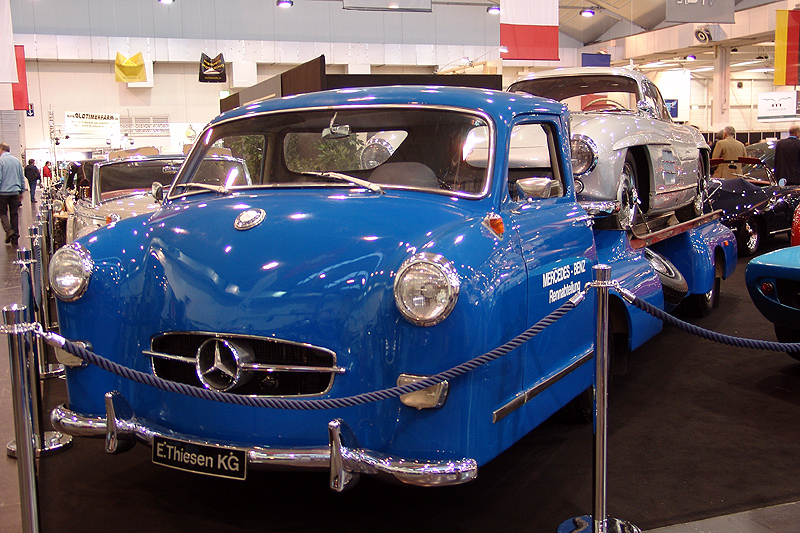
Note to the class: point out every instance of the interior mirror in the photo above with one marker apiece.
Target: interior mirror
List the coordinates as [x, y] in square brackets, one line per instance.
[157, 191]
[336, 131]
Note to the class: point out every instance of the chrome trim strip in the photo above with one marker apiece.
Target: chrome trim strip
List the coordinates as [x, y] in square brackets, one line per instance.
[350, 457]
[540, 386]
[666, 190]
[179, 358]
[242, 336]
[258, 367]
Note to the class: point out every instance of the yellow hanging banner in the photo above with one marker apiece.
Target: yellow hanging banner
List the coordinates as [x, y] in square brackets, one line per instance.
[130, 69]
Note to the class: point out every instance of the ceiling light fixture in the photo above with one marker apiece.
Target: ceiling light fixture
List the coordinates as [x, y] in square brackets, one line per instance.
[166, 1]
[587, 12]
[286, 4]
[691, 57]
[493, 9]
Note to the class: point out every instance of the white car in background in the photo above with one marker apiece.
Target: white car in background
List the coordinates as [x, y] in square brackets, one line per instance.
[625, 146]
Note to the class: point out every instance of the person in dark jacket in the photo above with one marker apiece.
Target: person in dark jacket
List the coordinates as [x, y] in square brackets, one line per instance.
[33, 176]
[787, 157]
[12, 184]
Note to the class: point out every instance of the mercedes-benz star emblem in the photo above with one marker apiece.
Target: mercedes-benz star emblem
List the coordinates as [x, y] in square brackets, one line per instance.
[219, 364]
[249, 218]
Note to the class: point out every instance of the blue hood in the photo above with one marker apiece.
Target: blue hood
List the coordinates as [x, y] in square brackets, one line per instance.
[322, 261]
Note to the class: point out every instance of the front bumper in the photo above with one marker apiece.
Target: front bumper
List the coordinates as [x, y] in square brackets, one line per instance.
[343, 457]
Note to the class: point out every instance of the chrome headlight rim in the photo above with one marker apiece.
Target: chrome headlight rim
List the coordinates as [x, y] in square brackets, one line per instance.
[588, 149]
[448, 274]
[84, 259]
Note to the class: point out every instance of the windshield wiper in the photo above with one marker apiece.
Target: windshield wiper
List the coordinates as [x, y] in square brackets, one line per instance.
[374, 187]
[221, 189]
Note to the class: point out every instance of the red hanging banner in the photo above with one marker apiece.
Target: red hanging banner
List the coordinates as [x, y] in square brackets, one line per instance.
[19, 91]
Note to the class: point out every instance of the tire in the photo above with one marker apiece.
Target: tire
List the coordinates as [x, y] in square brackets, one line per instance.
[700, 305]
[627, 195]
[749, 237]
[673, 284]
[59, 234]
[785, 334]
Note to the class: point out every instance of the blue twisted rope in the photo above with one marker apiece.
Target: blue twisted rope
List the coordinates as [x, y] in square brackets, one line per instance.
[740, 342]
[321, 403]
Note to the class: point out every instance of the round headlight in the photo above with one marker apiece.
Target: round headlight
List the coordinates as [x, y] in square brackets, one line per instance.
[70, 270]
[426, 289]
[584, 155]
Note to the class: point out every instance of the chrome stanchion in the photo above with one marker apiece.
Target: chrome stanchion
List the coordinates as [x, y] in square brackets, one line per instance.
[41, 303]
[19, 342]
[46, 442]
[599, 522]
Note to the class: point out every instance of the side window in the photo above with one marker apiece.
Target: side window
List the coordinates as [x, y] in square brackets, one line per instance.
[654, 96]
[533, 162]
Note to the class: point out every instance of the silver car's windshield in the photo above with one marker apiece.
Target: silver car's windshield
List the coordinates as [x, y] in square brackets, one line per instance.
[411, 147]
[115, 179]
[591, 92]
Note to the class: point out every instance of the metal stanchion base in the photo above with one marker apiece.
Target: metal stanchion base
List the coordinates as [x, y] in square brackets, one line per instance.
[54, 442]
[585, 524]
[52, 371]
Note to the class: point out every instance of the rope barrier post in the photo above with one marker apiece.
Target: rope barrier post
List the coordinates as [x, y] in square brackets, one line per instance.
[41, 301]
[18, 344]
[45, 441]
[599, 522]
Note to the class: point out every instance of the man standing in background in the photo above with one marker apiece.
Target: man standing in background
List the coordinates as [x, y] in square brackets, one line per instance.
[12, 183]
[33, 176]
[730, 150]
[787, 157]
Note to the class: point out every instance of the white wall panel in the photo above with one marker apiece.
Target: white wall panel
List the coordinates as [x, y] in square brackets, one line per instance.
[46, 47]
[232, 50]
[178, 49]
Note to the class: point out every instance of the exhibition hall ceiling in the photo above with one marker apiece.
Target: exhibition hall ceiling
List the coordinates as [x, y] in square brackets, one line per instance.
[630, 17]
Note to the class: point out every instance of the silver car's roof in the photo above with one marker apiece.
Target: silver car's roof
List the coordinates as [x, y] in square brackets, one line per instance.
[583, 71]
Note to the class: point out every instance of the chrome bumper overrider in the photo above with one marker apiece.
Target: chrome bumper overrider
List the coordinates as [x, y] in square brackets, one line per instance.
[343, 457]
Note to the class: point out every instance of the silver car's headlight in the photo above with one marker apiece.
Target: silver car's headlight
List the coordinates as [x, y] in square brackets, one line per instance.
[70, 271]
[584, 155]
[426, 289]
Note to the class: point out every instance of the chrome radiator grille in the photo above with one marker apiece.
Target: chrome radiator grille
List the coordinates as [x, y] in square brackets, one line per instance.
[251, 366]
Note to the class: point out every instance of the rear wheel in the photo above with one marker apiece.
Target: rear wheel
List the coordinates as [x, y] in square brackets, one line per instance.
[697, 207]
[627, 196]
[700, 305]
[673, 284]
[749, 236]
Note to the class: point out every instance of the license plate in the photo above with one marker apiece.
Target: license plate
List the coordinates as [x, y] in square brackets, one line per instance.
[201, 459]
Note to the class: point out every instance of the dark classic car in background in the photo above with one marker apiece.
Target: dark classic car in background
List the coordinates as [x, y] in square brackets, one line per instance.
[625, 146]
[109, 191]
[754, 204]
[773, 281]
[330, 267]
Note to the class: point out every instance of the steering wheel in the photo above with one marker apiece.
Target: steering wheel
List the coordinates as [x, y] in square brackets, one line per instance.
[608, 100]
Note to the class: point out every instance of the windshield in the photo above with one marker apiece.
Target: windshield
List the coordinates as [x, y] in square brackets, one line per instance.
[585, 93]
[115, 179]
[408, 147]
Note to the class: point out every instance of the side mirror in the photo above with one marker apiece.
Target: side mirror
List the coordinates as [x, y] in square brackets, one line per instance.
[782, 182]
[646, 106]
[157, 190]
[538, 188]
